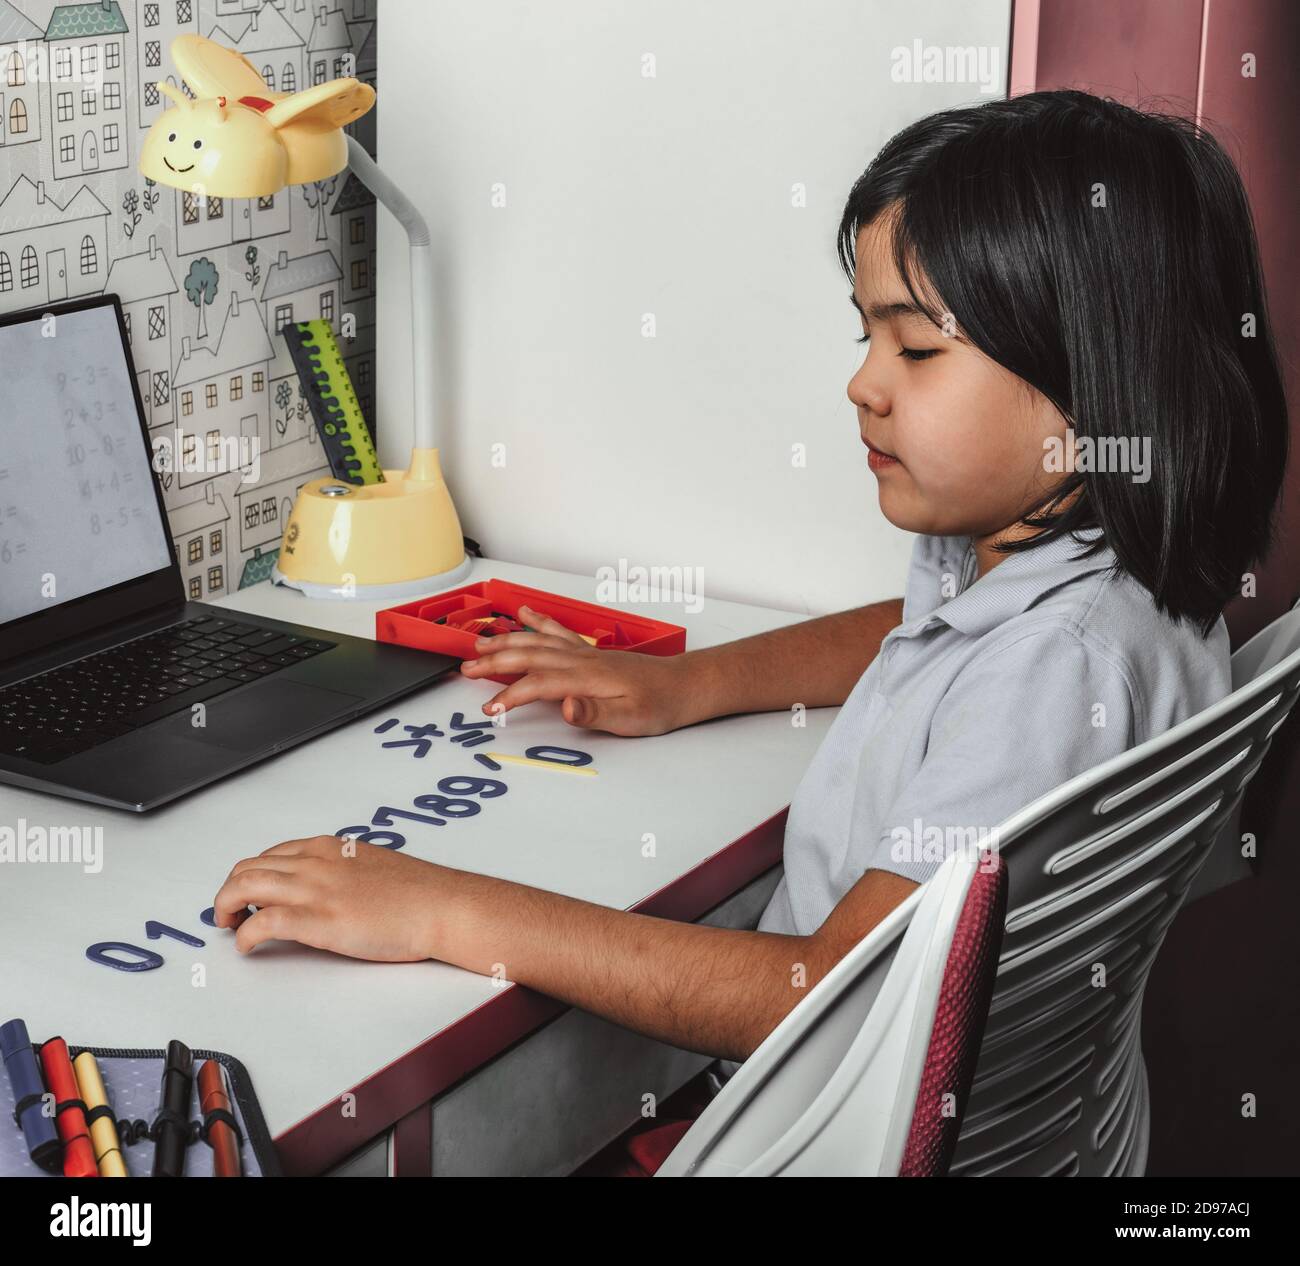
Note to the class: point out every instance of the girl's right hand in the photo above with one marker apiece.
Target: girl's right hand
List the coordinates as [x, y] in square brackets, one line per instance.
[621, 692]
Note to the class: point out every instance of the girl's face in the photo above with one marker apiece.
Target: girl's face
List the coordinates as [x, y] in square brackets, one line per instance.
[955, 440]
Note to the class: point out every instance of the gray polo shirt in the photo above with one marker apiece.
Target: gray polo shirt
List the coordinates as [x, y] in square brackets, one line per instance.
[988, 695]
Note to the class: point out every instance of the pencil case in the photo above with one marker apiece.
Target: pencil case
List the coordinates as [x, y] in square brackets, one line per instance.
[423, 623]
[132, 1079]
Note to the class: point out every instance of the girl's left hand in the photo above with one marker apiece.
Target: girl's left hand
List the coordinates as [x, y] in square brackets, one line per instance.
[342, 895]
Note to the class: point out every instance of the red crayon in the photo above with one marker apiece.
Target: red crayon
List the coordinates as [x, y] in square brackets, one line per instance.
[78, 1151]
[225, 1142]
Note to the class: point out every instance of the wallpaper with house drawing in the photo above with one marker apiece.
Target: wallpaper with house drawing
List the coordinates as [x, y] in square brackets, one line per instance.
[205, 288]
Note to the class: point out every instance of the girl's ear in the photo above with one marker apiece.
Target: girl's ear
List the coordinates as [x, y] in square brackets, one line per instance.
[324, 107]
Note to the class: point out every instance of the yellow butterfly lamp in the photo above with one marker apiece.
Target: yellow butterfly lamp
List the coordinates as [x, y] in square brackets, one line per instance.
[239, 139]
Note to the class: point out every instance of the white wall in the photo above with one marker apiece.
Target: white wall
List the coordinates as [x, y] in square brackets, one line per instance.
[670, 195]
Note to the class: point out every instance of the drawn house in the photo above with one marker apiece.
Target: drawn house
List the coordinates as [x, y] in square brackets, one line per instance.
[222, 391]
[86, 93]
[365, 55]
[206, 224]
[145, 285]
[355, 208]
[233, 8]
[22, 70]
[271, 44]
[329, 43]
[300, 289]
[160, 22]
[47, 251]
[263, 508]
[201, 532]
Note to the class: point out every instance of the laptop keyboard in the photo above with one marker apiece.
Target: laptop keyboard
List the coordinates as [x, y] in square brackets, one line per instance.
[94, 700]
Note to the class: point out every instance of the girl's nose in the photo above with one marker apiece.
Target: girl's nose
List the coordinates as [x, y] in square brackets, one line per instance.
[866, 392]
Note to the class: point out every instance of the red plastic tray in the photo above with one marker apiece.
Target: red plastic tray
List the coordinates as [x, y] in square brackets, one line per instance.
[412, 624]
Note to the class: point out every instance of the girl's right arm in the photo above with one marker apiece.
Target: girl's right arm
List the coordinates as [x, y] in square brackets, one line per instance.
[815, 662]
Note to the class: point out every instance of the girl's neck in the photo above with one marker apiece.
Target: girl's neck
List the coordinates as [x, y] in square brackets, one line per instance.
[986, 556]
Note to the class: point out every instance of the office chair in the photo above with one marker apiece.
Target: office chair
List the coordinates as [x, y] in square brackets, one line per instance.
[869, 1073]
[1098, 869]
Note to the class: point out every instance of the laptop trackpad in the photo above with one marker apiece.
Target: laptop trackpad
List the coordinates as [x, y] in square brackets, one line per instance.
[253, 720]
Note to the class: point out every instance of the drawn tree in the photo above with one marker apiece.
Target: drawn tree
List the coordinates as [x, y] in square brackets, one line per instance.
[254, 273]
[317, 194]
[201, 288]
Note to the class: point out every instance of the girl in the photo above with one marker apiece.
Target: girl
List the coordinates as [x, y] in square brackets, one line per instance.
[1070, 394]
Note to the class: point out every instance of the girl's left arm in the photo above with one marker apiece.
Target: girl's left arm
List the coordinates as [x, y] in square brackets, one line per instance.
[715, 990]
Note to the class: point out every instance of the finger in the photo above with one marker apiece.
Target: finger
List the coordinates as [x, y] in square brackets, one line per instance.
[609, 715]
[276, 923]
[531, 688]
[256, 886]
[313, 846]
[522, 661]
[543, 623]
[516, 641]
[285, 865]
[232, 919]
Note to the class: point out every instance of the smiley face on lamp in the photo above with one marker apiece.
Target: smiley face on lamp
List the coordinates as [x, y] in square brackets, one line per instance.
[238, 139]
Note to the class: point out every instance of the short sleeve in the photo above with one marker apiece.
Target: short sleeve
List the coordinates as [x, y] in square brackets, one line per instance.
[1016, 722]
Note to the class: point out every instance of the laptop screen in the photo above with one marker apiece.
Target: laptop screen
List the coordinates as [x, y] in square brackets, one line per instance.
[78, 509]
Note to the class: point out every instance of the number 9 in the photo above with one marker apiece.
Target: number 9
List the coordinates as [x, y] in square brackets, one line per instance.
[385, 839]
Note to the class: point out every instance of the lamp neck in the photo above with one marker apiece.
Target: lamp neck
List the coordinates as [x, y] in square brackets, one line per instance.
[408, 216]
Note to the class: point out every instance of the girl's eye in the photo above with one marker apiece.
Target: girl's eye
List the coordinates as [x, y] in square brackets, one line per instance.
[917, 353]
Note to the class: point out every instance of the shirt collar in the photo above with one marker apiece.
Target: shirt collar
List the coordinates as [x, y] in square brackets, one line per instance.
[1009, 589]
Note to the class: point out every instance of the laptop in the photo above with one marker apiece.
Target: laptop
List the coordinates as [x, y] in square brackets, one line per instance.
[103, 656]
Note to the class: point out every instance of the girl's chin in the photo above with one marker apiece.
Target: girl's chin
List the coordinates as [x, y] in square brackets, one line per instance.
[909, 512]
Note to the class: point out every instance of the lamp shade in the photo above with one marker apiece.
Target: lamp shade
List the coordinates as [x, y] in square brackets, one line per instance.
[238, 139]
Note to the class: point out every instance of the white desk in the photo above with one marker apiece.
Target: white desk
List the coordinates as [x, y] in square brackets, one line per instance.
[341, 1050]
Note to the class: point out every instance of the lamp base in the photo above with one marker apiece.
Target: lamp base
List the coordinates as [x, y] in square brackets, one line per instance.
[374, 542]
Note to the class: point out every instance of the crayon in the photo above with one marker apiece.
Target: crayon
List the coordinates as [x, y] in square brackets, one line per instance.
[24, 1071]
[103, 1125]
[69, 1112]
[173, 1128]
[214, 1097]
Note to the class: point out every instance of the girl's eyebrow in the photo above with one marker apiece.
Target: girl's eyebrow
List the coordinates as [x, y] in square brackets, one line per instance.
[890, 311]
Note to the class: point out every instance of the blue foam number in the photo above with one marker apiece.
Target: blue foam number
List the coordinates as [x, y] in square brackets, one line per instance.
[153, 930]
[147, 961]
[447, 805]
[367, 836]
[209, 916]
[567, 755]
[488, 788]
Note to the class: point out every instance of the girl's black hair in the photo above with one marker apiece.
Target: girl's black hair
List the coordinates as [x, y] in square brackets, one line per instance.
[1107, 257]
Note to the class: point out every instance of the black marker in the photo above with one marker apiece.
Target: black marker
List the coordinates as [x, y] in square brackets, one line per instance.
[173, 1128]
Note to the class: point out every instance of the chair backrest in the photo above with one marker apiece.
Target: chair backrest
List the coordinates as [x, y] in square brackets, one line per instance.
[1098, 869]
[868, 1074]
[1225, 865]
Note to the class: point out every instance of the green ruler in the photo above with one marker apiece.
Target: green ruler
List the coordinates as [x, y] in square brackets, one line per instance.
[333, 403]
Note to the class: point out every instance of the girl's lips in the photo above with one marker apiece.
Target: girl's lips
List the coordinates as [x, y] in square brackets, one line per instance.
[876, 460]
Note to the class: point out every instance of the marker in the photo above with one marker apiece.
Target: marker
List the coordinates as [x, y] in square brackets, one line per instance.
[41, 1137]
[173, 1125]
[103, 1124]
[69, 1111]
[215, 1097]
